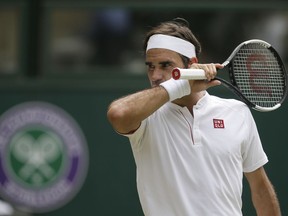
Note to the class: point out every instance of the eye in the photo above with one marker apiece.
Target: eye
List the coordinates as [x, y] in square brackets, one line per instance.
[150, 67]
[166, 65]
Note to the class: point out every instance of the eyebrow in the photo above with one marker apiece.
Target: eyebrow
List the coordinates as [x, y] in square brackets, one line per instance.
[160, 63]
[148, 63]
[165, 62]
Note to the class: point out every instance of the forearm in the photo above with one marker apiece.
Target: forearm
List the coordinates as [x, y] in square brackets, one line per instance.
[126, 114]
[266, 202]
[263, 194]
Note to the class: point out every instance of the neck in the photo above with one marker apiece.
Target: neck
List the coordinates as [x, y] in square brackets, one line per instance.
[190, 100]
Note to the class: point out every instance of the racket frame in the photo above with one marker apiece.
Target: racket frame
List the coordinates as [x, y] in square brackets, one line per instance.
[234, 86]
[178, 73]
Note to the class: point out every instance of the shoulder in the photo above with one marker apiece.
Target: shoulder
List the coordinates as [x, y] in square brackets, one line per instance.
[231, 105]
[227, 101]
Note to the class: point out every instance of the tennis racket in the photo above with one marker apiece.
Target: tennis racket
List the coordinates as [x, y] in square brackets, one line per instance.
[257, 75]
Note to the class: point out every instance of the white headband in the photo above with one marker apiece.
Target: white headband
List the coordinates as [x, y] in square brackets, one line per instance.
[171, 43]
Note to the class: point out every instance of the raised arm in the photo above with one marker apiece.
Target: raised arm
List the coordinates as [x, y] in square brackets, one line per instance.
[263, 195]
[126, 114]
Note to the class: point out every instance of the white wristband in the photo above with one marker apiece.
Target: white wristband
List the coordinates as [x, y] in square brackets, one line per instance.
[176, 88]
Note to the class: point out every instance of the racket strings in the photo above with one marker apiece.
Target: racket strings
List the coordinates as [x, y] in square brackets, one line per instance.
[258, 75]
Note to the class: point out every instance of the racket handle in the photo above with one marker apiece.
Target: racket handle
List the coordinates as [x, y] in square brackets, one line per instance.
[190, 74]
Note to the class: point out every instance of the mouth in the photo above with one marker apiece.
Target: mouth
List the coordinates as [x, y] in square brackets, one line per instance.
[154, 86]
[156, 83]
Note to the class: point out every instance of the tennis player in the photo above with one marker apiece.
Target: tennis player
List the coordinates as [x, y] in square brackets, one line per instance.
[191, 148]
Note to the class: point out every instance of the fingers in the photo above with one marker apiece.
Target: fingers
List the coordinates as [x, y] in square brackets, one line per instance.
[201, 85]
[210, 69]
[210, 73]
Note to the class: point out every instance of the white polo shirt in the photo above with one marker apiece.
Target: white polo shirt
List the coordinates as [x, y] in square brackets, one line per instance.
[193, 165]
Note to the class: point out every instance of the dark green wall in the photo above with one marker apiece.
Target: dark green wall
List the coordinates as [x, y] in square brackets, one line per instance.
[110, 187]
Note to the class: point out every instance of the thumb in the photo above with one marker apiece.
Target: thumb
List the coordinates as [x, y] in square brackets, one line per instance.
[213, 83]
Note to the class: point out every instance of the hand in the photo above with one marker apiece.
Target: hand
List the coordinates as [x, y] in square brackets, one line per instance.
[210, 72]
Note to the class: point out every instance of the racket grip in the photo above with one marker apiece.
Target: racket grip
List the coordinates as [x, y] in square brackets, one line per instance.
[190, 74]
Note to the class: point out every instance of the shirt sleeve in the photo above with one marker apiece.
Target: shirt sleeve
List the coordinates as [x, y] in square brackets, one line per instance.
[136, 137]
[252, 150]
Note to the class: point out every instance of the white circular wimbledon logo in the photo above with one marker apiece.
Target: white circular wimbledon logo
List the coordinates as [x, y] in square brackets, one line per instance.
[43, 157]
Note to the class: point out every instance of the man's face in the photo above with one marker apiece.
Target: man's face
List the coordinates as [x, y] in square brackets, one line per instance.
[160, 63]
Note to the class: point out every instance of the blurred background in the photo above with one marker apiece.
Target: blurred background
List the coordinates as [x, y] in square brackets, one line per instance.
[81, 55]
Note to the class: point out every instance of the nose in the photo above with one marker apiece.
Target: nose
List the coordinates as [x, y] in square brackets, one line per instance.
[156, 76]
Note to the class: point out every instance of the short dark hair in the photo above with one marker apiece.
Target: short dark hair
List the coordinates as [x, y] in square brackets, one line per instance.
[177, 27]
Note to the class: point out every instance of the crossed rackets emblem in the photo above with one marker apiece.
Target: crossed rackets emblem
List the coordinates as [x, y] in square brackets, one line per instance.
[36, 156]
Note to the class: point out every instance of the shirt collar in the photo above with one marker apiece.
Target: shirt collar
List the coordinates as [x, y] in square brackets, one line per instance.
[202, 102]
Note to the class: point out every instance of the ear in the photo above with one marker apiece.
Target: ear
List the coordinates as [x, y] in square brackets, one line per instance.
[193, 60]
